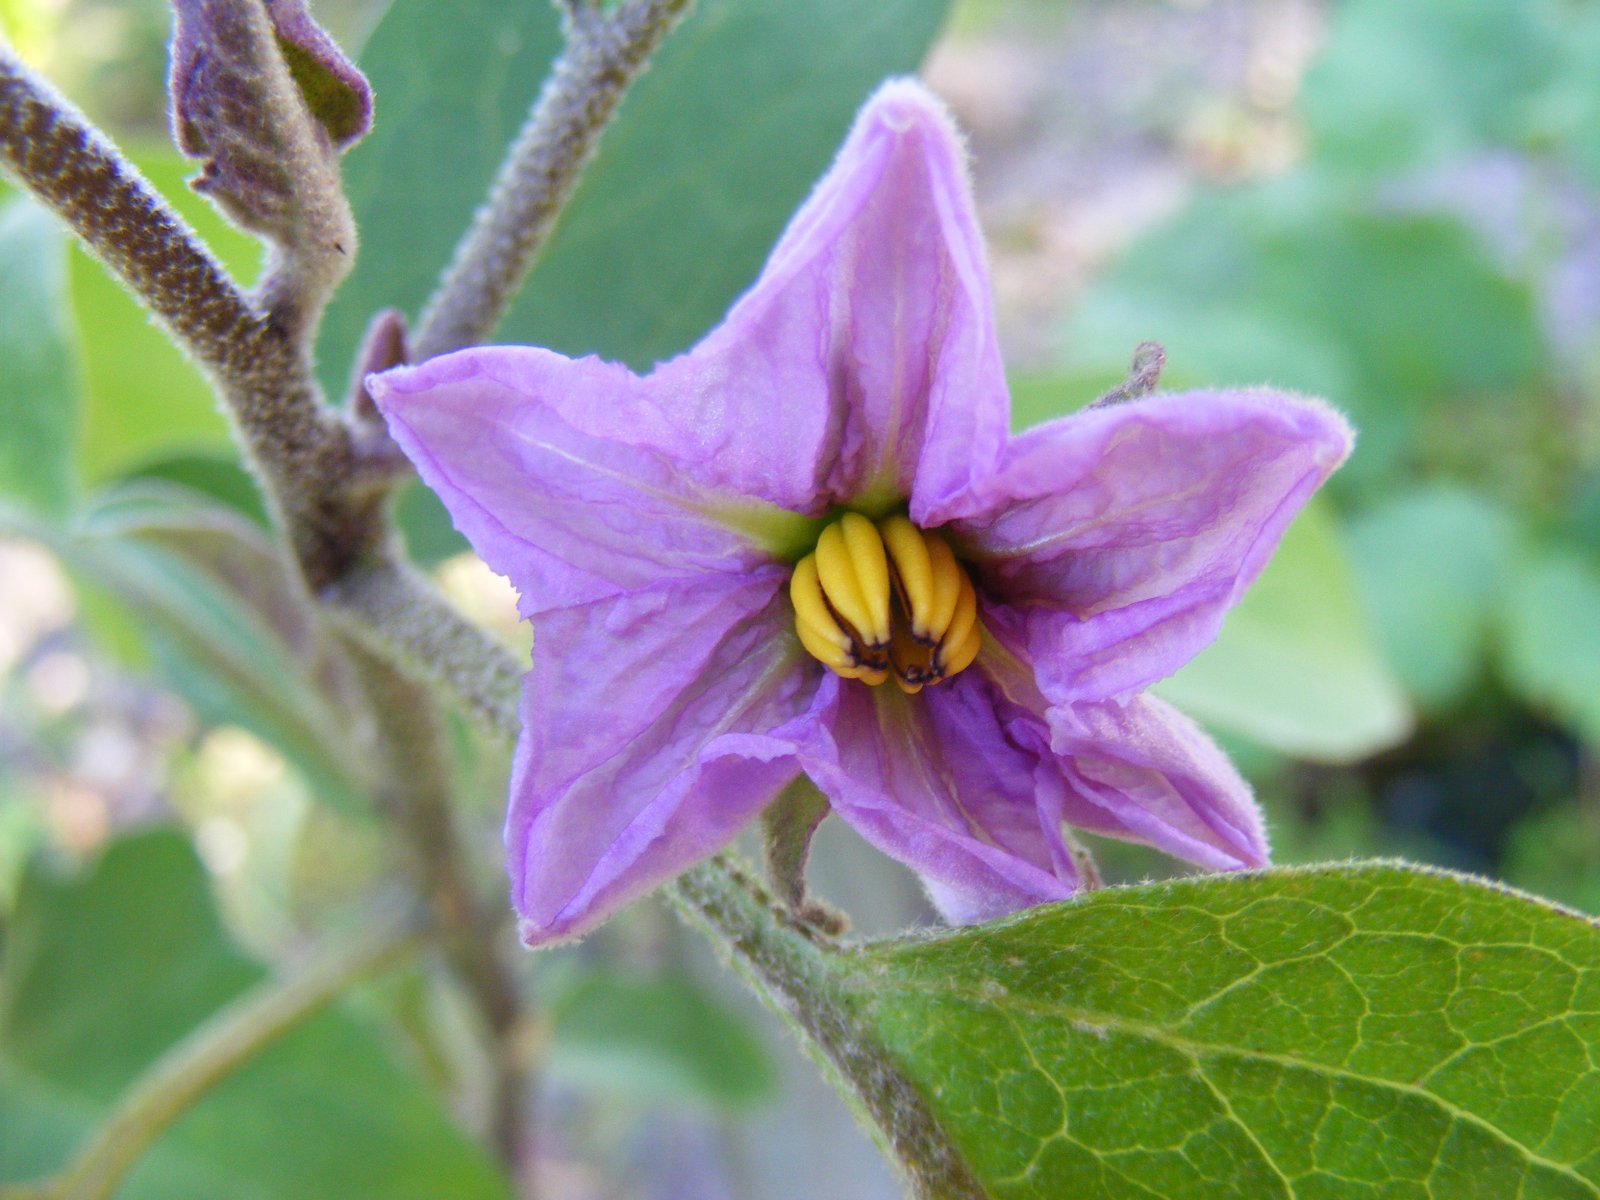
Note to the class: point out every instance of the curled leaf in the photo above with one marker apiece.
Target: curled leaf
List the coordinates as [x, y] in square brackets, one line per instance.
[264, 96]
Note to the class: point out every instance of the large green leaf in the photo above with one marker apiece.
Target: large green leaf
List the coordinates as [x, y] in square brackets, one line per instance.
[38, 376]
[714, 148]
[104, 972]
[1296, 666]
[1337, 1033]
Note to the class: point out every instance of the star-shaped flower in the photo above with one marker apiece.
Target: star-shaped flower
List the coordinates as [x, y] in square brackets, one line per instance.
[810, 545]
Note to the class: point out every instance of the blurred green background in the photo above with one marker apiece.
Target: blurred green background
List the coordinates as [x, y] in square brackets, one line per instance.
[1394, 204]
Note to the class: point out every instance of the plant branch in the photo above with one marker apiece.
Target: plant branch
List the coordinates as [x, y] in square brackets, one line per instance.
[793, 968]
[73, 169]
[601, 59]
[310, 469]
[416, 792]
[211, 1053]
[392, 609]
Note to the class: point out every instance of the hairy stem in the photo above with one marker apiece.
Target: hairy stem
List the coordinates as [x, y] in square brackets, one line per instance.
[416, 792]
[396, 612]
[71, 167]
[602, 57]
[790, 966]
[309, 468]
[213, 1052]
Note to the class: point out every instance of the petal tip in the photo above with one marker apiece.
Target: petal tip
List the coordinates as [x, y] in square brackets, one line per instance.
[1331, 429]
[904, 104]
[535, 936]
[379, 387]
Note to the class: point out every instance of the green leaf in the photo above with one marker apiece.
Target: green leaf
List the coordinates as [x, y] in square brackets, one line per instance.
[657, 1039]
[221, 477]
[143, 397]
[1551, 637]
[1404, 86]
[1389, 316]
[39, 391]
[1332, 1033]
[453, 83]
[722, 138]
[715, 147]
[104, 972]
[1296, 666]
[1432, 561]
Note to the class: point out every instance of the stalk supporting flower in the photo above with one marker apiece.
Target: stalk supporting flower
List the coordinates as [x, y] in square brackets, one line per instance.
[728, 560]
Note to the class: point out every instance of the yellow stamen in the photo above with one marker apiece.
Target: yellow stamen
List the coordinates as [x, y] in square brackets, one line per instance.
[890, 599]
[913, 570]
[963, 621]
[961, 659]
[811, 607]
[947, 580]
[823, 650]
[855, 576]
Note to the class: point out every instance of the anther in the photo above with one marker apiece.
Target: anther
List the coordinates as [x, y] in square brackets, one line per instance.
[855, 576]
[872, 601]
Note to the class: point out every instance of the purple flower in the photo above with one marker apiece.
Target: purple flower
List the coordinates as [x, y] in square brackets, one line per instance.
[958, 659]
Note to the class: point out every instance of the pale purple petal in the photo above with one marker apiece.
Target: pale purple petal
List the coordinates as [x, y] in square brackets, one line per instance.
[863, 365]
[562, 477]
[1142, 770]
[655, 724]
[1111, 543]
[957, 782]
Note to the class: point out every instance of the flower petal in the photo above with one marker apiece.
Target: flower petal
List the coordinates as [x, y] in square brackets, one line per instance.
[958, 782]
[655, 724]
[562, 476]
[1143, 771]
[1111, 543]
[863, 364]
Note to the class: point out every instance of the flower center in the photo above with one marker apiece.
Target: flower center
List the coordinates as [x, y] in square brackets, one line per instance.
[875, 600]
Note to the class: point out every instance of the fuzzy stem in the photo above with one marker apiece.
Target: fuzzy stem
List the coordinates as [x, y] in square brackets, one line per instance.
[416, 792]
[602, 58]
[794, 969]
[72, 168]
[211, 1053]
[396, 612]
[304, 457]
